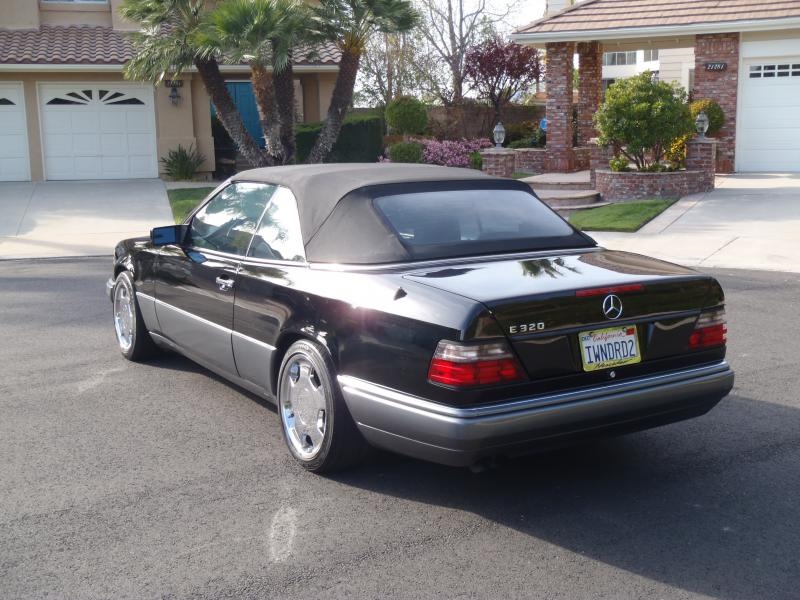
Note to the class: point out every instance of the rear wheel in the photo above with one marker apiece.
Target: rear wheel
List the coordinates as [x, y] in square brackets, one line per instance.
[317, 427]
[133, 339]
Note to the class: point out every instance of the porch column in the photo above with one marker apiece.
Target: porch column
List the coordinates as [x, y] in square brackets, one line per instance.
[559, 157]
[721, 86]
[590, 88]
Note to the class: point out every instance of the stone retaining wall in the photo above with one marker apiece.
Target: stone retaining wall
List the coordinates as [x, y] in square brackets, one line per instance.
[530, 160]
[633, 185]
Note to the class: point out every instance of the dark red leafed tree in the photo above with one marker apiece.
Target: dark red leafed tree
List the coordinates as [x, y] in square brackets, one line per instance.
[499, 70]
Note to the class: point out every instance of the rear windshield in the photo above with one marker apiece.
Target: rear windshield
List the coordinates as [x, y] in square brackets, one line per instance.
[443, 223]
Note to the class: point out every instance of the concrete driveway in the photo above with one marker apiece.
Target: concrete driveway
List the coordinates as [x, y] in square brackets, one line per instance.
[751, 221]
[77, 218]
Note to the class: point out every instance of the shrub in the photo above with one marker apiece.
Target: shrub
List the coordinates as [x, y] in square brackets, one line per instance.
[476, 161]
[643, 118]
[405, 152]
[619, 164]
[452, 153]
[521, 143]
[406, 115]
[520, 131]
[183, 163]
[716, 118]
[360, 140]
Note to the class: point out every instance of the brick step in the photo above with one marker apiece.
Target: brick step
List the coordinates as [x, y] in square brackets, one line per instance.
[567, 197]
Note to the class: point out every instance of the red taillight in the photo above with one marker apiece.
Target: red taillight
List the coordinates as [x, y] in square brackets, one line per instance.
[466, 365]
[710, 330]
[615, 289]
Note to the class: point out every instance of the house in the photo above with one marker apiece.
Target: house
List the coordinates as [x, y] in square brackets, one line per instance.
[66, 112]
[746, 57]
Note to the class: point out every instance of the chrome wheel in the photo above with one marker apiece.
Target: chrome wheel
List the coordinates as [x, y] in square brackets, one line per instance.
[124, 318]
[303, 407]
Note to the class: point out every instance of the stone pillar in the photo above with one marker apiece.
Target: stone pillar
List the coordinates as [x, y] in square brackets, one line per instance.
[498, 162]
[558, 76]
[701, 155]
[721, 86]
[598, 159]
[590, 88]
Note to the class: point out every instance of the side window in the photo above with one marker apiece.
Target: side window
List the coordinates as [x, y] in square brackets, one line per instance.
[227, 222]
[278, 236]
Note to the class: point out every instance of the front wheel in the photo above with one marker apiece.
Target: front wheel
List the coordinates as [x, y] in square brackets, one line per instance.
[317, 426]
[133, 339]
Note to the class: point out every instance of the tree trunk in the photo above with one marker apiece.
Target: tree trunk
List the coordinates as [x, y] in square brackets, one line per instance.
[340, 101]
[264, 91]
[229, 114]
[284, 93]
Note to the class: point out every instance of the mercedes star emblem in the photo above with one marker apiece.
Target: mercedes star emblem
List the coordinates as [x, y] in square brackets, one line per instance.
[612, 307]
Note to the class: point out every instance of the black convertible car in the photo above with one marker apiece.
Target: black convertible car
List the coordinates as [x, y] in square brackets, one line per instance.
[435, 312]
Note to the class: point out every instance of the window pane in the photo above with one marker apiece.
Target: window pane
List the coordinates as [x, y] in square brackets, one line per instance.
[278, 236]
[227, 222]
[468, 217]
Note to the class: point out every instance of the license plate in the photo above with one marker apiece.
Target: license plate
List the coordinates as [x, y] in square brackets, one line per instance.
[609, 348]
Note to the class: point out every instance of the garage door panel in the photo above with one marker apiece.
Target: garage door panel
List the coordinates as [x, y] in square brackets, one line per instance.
[14, 161]
[95, 136]
[768, 128]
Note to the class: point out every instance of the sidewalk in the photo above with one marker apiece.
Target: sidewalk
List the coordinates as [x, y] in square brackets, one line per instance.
[751, 221]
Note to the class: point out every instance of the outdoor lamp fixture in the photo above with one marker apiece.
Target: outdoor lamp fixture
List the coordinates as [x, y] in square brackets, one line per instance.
[499, 133]
[174, 96]
[701, 124]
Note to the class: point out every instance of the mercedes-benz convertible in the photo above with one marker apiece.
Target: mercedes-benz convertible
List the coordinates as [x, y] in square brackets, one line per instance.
[436, 312]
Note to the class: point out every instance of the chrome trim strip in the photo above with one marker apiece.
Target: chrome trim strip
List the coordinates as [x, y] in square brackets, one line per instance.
[207, 322]
[384, 395]
[423, 264]
[144, 296]
[247, 338]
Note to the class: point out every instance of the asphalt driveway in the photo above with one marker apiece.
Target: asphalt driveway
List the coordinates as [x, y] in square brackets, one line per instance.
[750, 221]
[159, 480]
[77, 218]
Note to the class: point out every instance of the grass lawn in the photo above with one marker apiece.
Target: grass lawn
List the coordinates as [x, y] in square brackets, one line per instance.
[521, 175]
[183, 200]
[625, 216]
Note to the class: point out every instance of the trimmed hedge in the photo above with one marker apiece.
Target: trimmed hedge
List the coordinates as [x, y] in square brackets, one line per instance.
[405, 152]
[406, 115]
[361, 139]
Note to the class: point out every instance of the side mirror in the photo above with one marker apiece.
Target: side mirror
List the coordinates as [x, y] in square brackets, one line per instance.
[169, 235]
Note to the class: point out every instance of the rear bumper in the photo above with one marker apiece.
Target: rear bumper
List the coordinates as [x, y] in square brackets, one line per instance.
[461, 436]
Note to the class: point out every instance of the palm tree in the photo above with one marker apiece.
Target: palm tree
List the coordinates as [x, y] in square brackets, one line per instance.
[167, 44]
[262, 33]
[350, 24]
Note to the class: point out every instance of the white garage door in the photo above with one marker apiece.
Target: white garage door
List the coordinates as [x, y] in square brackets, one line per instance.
[104, 131]
[14, 163]
[769, 123]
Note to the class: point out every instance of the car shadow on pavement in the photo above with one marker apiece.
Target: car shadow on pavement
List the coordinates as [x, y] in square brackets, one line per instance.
[708, 506]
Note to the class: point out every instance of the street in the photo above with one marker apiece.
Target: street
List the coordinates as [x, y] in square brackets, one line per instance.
[122, 480]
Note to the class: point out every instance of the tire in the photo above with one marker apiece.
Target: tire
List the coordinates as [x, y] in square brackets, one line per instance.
[316, 424]
[133, 339]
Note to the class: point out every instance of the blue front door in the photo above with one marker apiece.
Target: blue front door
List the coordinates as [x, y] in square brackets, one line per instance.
[245, 100]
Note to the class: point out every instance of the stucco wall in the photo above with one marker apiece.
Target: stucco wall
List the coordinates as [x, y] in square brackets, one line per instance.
[75, 14]
[19, 14]
[674, 65]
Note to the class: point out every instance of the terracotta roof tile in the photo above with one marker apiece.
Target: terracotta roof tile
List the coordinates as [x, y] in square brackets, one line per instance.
[618, 14]
[92, 45]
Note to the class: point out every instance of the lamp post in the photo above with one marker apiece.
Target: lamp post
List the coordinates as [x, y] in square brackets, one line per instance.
[499, 133]
[701, 124]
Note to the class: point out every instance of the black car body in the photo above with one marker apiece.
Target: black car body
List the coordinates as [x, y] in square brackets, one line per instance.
[446, 339]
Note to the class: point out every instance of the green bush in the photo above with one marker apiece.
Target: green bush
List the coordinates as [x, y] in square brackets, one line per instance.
[405, 152]
[182, 163]
[521, 143]
[361, 139]
[476, 161]
[716, 118]
[523, 130]
[644, 118]
[406, 115]
[619, 164]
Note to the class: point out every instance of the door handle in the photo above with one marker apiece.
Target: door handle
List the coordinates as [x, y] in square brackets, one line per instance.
[224, 284]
